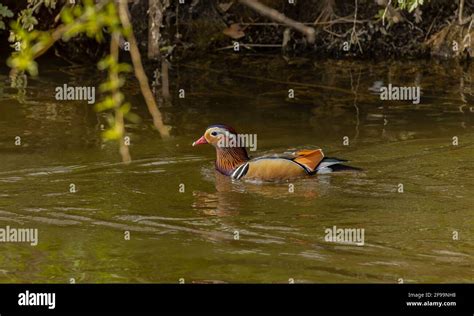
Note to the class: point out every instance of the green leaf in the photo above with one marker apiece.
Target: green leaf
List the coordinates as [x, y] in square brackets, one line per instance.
[66, 16]
[107, 104]
[123, 67]
[125, 108]
[132, 117]
[413, 6]
[5, 12]
[105, 63]
[50, 4]
[112, 133]
[111, 85]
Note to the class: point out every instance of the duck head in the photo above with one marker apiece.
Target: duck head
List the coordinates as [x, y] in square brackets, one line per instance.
[215, 135]
[228, 157]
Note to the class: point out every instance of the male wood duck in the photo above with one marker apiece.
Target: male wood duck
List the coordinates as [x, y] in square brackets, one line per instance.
[234, 161]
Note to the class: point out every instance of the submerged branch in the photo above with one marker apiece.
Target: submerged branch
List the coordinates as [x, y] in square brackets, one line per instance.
[292, 83]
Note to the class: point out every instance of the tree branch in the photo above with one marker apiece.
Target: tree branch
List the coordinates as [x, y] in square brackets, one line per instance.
[139, 71]
[461, 9]
[273, 14]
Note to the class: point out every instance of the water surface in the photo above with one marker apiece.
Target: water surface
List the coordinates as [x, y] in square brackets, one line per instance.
[190, 235]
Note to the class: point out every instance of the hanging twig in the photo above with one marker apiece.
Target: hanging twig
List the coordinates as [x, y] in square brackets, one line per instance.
[461, 9]
[139, 71]
[281, 18]
[119, 122]
[354, 37]
[385, 11]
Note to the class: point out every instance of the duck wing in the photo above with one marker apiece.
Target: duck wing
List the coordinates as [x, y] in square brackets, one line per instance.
[280, 167]
[310, 159]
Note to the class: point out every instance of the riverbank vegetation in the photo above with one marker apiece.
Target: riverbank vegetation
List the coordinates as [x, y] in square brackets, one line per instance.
[120, 36]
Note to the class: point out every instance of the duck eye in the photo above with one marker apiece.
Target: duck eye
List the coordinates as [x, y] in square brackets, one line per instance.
[214, 133]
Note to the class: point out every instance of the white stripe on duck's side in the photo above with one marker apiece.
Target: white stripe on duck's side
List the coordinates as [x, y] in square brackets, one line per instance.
[240, 171]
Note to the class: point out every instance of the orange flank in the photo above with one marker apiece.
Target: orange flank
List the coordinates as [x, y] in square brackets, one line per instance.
[273, 169]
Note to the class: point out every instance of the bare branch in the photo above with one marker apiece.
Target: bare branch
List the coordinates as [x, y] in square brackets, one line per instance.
[461, 9]
[140, 72]
[154, 23]
[273, 14]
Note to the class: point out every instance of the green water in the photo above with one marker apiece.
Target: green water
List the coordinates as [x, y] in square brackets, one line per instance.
[190, 235]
